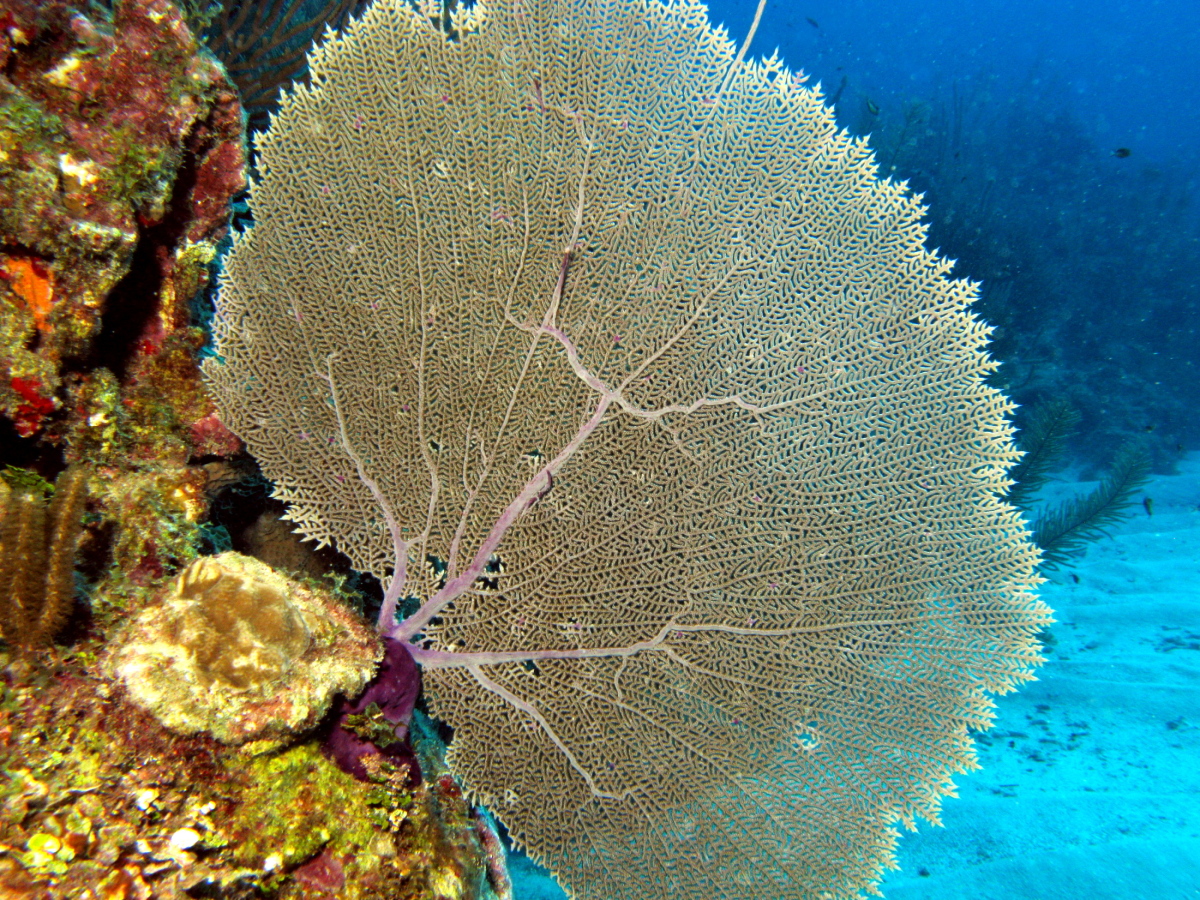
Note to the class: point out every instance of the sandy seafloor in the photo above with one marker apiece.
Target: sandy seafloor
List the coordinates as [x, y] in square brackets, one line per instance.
[1090, 786]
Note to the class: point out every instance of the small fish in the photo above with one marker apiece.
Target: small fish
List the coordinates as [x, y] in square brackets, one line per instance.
[872, 108]
[1148, 503]
[833, 101]
[1122, 152]
[812, 22]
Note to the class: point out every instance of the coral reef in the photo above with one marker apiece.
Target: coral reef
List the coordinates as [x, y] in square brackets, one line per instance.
[98, 800]
[120, 148]
[243, 653]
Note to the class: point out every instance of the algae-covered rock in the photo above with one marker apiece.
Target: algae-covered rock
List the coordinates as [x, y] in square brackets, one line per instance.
[121, 148]
[98, 801]
[236, 649]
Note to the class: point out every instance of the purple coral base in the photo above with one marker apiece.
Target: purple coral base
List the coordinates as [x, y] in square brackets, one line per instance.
[394, 690]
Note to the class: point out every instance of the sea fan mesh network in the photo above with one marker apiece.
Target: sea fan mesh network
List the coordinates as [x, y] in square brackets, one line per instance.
[675, 418]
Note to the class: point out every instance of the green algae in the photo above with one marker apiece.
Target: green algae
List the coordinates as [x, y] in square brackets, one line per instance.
[26, 480]
[298, 804]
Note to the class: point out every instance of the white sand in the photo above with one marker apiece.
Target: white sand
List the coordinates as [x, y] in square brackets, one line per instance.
[1090, 787]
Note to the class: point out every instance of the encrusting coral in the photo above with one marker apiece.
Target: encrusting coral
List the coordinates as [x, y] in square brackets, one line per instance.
[235, 649]
[121, 149]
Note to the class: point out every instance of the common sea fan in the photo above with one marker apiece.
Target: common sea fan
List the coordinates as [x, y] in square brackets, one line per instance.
[608, 348]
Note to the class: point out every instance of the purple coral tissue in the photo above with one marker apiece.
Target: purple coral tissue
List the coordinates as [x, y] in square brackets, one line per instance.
[394, 690]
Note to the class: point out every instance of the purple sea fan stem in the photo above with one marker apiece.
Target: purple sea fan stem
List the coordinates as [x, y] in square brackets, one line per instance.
[437, 659]
[534, 489]
[395, 588]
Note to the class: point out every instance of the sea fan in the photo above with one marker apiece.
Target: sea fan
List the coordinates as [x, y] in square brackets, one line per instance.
[609, 352]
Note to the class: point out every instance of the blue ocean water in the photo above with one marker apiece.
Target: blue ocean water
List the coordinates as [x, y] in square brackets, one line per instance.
[1058, 147]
